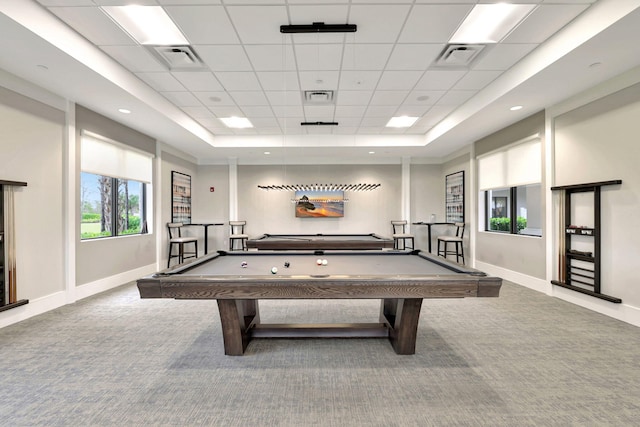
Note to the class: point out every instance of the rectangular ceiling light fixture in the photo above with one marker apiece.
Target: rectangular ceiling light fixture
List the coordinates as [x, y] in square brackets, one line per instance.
[401, 122]
[147, 24]
[490, 23]
[319, 27]
[236, 122]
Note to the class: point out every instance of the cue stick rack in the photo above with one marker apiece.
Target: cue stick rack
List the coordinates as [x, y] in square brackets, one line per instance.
[579, 270]
[8, 276]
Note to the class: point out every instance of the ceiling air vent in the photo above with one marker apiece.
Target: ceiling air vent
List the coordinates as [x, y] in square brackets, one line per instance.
[458, 55]
[318, 97]
[181, 57]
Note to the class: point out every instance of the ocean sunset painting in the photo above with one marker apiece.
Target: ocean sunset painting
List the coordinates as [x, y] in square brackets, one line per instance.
[319, 204]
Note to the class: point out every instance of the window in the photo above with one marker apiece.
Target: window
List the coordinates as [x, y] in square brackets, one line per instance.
[113, 189]
[510, 180]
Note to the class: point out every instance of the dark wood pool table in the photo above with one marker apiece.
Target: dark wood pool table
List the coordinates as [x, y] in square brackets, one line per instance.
[320, 241]
[400, 279]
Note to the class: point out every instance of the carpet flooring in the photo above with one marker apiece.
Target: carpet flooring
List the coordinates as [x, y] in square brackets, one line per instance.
[524, 359]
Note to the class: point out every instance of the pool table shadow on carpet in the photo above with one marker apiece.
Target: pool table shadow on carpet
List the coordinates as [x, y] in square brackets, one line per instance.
[238, 280]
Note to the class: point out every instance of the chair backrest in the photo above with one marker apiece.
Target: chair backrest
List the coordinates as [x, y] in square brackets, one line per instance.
[174, 229]
[398, 226]
[459, 229]
[237, 227]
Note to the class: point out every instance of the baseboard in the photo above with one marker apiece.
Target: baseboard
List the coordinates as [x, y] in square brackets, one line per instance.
[101, 285]
[58, 299]
[623, 312]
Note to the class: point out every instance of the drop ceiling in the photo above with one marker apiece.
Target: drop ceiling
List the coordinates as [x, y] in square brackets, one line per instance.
[389, 67]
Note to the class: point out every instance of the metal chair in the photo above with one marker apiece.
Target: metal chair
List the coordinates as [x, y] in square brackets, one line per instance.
[237, 233]
[400, 234]
[457, 241]
[176, 239]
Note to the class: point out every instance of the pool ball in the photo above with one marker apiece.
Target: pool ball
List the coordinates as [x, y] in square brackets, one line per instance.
[274, 270]
[325, 262]
[319, 261]
[286, 264]
[243, 264]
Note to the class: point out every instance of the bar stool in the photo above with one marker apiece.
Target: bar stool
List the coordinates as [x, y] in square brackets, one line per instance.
[237, 233]
[176, 239]
[400, 234]
[457, 241]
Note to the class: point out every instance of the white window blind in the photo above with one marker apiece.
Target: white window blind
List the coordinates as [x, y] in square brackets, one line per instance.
[103, 157]
[518, 164]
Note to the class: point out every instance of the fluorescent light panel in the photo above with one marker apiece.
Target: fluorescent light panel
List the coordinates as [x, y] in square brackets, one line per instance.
[237, 122]
[148, 25]
[490, 23]
[401, 122]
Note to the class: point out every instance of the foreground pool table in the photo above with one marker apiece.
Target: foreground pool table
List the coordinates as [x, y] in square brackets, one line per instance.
[320, 242]
[400, 279]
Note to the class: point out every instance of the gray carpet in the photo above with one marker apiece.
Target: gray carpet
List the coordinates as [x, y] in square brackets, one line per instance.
[523, 359]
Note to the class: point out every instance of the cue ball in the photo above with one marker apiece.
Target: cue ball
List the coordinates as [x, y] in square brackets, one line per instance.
[325, 262]
[274, 270]
[319, 261]
[243, 264]
[286, 264]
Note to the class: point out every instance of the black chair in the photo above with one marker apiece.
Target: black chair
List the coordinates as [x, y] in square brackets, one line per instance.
[457, 241]
[176, 239]
[400, 234]
[237, 233]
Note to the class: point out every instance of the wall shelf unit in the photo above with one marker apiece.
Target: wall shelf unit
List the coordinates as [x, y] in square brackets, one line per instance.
[579, 270]
[7, 286]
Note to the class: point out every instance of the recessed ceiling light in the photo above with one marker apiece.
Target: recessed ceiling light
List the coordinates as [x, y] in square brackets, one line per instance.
[401, 122]
[422, 98]
[516, 108]
[147, 24]
[267, 152]
[124, 111]
[237, 122]
[490, 23]
[372, 152]
[215, 99]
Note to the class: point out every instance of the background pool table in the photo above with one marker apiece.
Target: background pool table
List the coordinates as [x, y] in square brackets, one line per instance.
[401, 279]
[320, 242]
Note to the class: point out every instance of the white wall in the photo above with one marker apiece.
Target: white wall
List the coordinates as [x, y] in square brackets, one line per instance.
[427, 197]
[31, 149]
[599, 142]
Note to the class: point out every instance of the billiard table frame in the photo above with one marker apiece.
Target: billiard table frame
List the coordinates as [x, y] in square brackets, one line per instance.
[278, 242]
[401, 298]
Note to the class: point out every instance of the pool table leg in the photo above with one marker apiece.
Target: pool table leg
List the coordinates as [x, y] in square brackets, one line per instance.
[402, 315]
[237, 316]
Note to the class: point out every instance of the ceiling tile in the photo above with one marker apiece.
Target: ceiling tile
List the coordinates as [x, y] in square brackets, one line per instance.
[94, 25]
[66, 2]
[412, 110]
[277, 98]
[359, 80]
[399, 80]
[279, 81]
[224, 57]
[433, 23]
[413, 56]
[389, 97]
[476, 80]
[198, 112]
[319, 113]
[181, 2]
[343, 111]
[349, 121]
[162, 81]
[238, 80]
[258, 24]
[226, 111]
[455, 97]
[260, 121]
[215, 98]
[318, 80]
[503, 56]
[329, 14]
[134, 58]
[197, 81]
[365, 56]
[271, 57]
[381, 111]
[378, 24]
[417, 97]
[249, 98]
[318, 57]
[354, 97]
[203, 24]
[439, 79]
